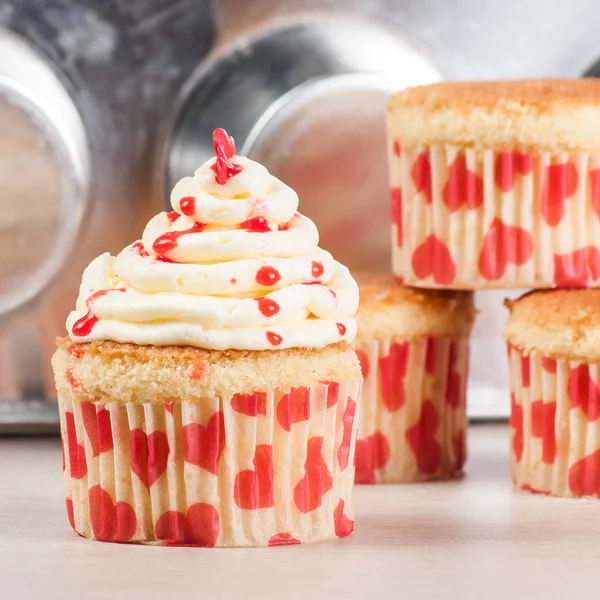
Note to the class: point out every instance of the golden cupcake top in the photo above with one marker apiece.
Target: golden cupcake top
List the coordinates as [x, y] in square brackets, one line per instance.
[550, 114]
[557, 323]
[388, 309]
[108, 372]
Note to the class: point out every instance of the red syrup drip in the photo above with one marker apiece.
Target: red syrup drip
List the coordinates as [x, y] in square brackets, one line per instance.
[317, 269]
[341, 328]
[84, 326]
[274, 338]
[256, 225]
[168, 241]
[267, 276]
[267, 306]
[139, 248]
[225, 150]
[172, 216]
[188, 205]
[284, 226]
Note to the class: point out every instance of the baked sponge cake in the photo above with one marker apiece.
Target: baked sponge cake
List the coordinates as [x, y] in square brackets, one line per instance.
[207, 387]
[496, 184]
[554, 354]
[413, 347]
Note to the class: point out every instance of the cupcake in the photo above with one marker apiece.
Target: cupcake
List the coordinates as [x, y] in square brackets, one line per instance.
[496, 184]
[554, 357]
[207, 387]
[413, 346]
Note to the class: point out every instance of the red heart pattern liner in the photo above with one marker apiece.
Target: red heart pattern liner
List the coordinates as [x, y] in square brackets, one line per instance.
[150, 465]
[434, 440]
[445, 215]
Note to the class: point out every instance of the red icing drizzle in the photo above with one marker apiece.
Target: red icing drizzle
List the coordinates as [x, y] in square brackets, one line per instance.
[139, 248]
[168, 241]
[188, 205]
[225, 151]
[274, 338]
[317, 269]
[256, 225]
[267, 306]
[267, 276]
[84, 326]
[341, 328]
[284, 226]
[172, 216]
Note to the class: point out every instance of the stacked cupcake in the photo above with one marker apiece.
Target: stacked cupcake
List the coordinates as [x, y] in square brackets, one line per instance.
[497, 185]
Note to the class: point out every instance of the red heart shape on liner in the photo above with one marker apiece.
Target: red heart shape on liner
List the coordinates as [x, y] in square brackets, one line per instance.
[149, 455]
[393, 371]
[543, 415]
[560, 183]
[421, 175]
[422, 442]
[317, 480]
[294, 407]
[432, 257]
[503, 245]
[576, 269]
[70, 513]
[595, 190]
[397, 215]
[250, 404]
[254, 489]
[348, 420]
[516, 423]
[343, 525]
[283, 539]
[333, 392]
[584, 476]
[203, 446]
[98, 428]
[199, 527]
[463, 186]
[372, 452]
[76, 452]
[110, 522]
[508, 164]
[584, 393]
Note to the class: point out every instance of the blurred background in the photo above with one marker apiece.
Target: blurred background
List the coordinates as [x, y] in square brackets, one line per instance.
[104, 105]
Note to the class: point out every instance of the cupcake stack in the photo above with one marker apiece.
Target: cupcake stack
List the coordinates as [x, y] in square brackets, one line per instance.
[496, 185]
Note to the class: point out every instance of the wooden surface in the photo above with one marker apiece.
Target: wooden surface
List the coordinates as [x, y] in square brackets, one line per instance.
[474, 538]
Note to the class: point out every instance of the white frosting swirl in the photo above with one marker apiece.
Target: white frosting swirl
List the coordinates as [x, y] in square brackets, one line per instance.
[234, 267]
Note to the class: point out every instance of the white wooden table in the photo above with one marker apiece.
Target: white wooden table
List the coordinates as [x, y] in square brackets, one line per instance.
[474, 538]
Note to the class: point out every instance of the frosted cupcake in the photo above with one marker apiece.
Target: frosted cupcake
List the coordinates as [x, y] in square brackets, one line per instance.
[207, 388]
[413, 347]
[496, 184]
[554, 359]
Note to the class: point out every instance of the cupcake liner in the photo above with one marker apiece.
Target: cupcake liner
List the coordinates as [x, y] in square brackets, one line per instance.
[412, 418]
[465, 218]
[269, 468]
[555, 425]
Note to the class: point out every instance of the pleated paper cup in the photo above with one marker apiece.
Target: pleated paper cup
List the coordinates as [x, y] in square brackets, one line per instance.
[264, 469]
[554, 424]
[412, 418]
[476, 219]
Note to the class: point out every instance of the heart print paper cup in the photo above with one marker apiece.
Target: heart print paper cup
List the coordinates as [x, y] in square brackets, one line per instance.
[220, 468]
[496, 185]
[554, 360]
[413, 347]
[208, 389]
